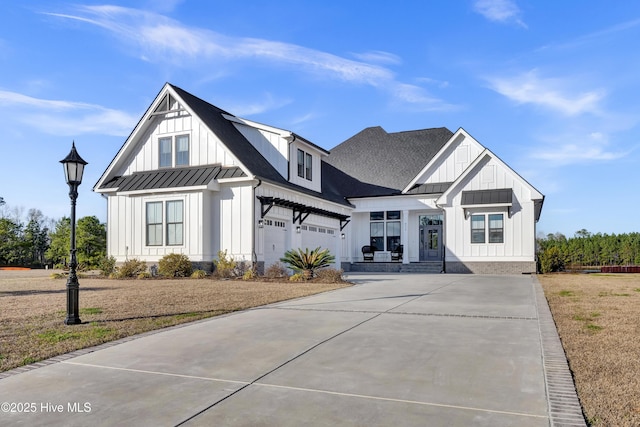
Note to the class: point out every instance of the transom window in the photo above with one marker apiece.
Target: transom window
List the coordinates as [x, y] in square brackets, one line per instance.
[168, 145]
[384, 230]
[495, 227]
[172, 223]
[305, 162]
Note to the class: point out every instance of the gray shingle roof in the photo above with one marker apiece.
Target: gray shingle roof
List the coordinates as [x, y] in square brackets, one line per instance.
[487, 197]
[173, 178]
[387, 160]
[245, 152]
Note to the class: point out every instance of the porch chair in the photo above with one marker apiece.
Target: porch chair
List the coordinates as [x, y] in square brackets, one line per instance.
[396, 254]
[368, 253]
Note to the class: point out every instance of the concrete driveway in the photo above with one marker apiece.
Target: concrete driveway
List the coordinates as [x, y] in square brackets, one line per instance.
[393, 350]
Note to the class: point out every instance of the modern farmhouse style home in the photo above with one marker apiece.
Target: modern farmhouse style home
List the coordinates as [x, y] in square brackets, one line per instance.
[194, 179]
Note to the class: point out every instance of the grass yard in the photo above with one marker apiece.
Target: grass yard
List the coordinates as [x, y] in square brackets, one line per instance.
[598, 319]
[33, 309]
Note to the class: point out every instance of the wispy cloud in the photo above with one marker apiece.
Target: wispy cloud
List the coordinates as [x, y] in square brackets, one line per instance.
[503, 11]
[588, 39]
[60, 117]
[158, 38]
[266, 103]
[379, 57]
[552, 93]
[571, 149]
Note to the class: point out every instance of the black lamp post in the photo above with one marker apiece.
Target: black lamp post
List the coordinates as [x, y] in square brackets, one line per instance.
[73, 169]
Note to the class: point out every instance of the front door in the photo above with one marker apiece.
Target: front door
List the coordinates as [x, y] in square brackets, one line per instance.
[431, 238]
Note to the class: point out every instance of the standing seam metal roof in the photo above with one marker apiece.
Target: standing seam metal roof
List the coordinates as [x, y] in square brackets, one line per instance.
[173, 178]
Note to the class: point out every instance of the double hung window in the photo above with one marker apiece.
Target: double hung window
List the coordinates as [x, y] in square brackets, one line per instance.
[495, 224]
[305, 163]
[167, 229]
[169, 145]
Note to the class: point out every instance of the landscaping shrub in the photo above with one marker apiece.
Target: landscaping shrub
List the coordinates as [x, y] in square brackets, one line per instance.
[250, 274]
[307, 262]
[224, 265]
[199, 274]
[107, 266]
[276, 271]
[130, 268]
[298, 277]
[175, 265]
[329, 275]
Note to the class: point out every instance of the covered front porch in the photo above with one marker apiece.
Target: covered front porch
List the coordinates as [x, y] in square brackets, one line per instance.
[397, 237]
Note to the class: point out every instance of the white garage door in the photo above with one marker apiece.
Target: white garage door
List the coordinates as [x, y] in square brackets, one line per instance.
[274, 241]
[313, 236]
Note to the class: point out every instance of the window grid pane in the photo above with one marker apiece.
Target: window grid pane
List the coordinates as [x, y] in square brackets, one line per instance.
[308, 164]
[174, 223]
[300, 163]
[477, 229]
[393, 235]
[154, 224]
[496, 228]
[165, 152]
[182, 150]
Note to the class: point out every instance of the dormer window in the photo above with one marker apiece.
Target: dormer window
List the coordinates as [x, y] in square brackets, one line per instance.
[168, 145]
[305, 161]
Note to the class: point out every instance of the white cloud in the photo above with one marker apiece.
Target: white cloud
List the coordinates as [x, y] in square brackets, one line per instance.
[159, 37]
[378, 56]
[551, 93]
[59, 117]
[571, 149]
[267, 103]
[503, 11]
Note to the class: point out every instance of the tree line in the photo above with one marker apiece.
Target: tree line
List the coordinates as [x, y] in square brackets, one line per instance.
[33, 240]
[556, 252]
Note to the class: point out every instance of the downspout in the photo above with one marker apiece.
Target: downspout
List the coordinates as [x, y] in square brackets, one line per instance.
[290, 139]
[444, 228]
[254, 256]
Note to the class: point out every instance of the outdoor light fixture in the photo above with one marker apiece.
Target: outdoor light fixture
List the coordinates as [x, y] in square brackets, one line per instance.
[73, 168]
[260, 223]
[342, 236]
[298, 229]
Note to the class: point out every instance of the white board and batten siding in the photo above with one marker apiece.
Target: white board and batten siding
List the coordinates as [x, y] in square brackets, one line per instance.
[453, 160]
[205, 148]
[270, 143]
[126, 236]
[519, 227]
[233, 221]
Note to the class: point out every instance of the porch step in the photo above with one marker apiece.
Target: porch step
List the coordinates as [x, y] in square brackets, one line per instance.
[433, 267]
[430, 267]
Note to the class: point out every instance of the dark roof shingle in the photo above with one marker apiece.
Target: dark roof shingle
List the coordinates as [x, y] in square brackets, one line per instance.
[387, 160]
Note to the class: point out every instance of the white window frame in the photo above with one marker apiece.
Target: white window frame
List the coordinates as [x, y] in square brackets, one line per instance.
[305, 164]
[177, 158]
[167, 230]
[486, 228]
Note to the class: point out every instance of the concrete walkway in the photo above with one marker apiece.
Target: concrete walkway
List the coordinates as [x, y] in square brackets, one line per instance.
[394, 350]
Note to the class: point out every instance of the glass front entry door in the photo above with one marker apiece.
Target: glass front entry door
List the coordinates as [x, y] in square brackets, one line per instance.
[431, 248]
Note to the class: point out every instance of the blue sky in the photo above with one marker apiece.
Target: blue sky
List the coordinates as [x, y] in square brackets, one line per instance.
[551, 87]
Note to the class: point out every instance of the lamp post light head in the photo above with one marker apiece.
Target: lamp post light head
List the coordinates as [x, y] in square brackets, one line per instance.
[73, 166]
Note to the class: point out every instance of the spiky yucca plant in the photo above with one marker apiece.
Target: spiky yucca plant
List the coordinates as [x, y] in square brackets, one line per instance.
[307, 262]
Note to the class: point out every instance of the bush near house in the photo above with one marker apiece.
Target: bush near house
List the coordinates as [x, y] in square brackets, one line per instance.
[225, 265]
[175, 265]
[131, 268]
[307, 262]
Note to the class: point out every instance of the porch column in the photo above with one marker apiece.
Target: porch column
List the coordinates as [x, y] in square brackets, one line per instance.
[404, 238]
